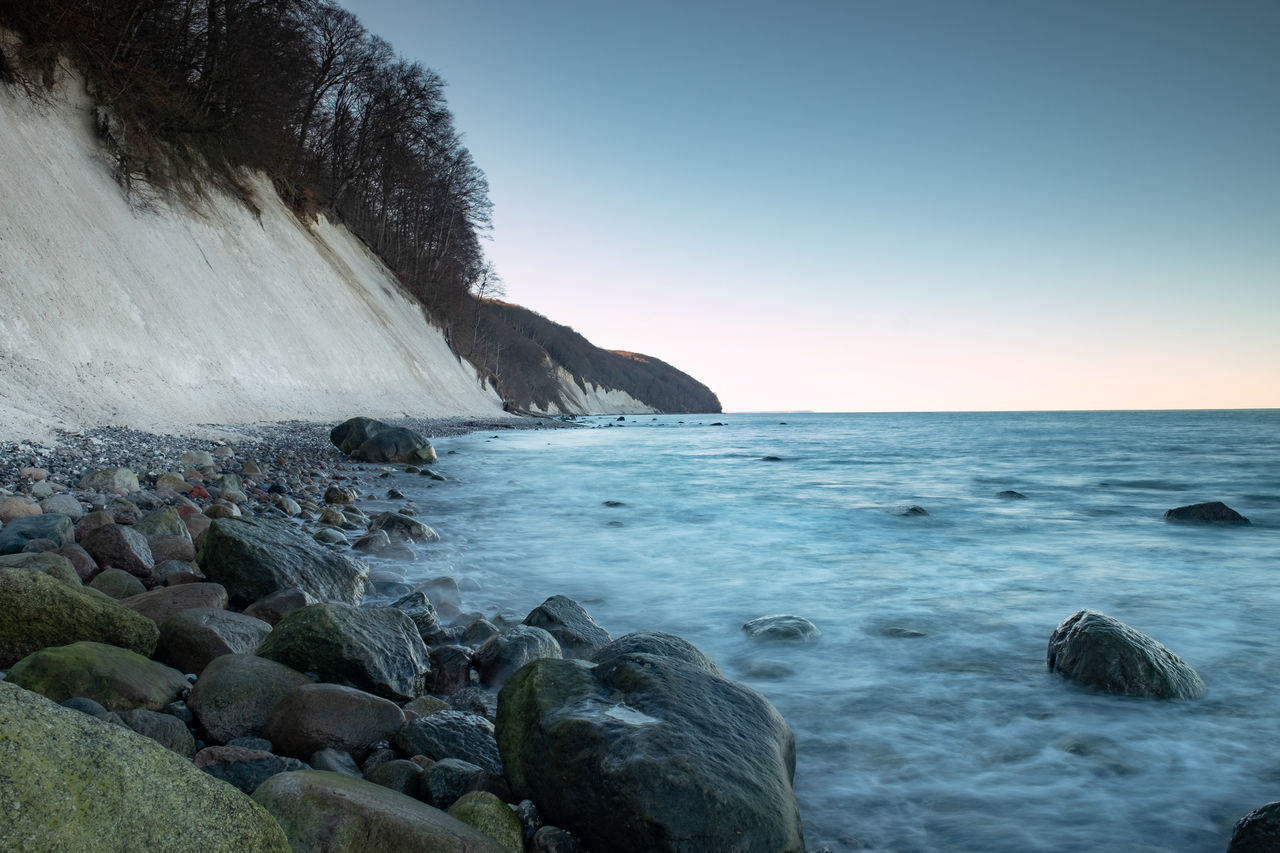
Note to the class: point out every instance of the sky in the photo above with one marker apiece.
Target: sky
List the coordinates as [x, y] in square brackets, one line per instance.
[885, 205]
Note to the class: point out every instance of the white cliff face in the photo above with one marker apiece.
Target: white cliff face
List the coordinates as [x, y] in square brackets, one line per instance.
[595, 400]
[163, 318]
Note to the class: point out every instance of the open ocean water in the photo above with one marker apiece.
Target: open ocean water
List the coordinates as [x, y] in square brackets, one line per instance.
[924, 716]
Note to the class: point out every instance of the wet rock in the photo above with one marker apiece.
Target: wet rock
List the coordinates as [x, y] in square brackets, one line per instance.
[38, 611]
[118, 584]
[235, 694]
[502, 655]
[338, 495]
[312, 717]
[129, 789]
[253, 558]
[116, 678]
[476, 700]
[450, 669]
[450, 778]
[492, 817]
[451, 734]
[552, 839]
[116, 546]
[274, 607]
[645, 753]
[330, 536]
[418, 607]
[1215, 512]
[162, 602]
[1105, 654]
[401, 776]
[395, 444]
[571, 625]
[912, 510]
[335, 761]
[1258, 831]
[17, 533]
[328, 811]
[402, 528]
[165, 729]
[376, 542]
[242, 767]
[190, 639]
[657, 643]
[782, 627]
[375, 649]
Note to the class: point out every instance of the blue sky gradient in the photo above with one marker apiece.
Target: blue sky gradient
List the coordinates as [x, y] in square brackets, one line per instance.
[859, 206]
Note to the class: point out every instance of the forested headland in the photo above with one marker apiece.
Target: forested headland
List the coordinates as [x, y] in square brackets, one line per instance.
[191, 93]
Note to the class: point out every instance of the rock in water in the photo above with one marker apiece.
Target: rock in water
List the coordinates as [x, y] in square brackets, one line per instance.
[37, 611]
[782, 627]
[1258, 831]
[1106, 654]
[1215, 512]
[329, 811]
[71, 782]
[644, 752]
[254, 558]
[374, 649]
[565, 619]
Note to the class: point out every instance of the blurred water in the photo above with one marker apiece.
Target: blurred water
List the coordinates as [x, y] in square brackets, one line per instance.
[924, 717]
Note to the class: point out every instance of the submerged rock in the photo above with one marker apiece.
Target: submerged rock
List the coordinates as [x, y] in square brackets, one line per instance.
[650, 753]
[1215, 512]
[71, 782]
[782, 627]
[1106, 654]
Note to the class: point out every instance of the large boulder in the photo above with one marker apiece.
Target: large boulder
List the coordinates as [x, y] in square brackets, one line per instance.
[71, 782]
[452, 734]
[15, 534]
[165, 601]
[54, 565]
[647, 753]
[115, 678]
[374, 649]
[353, 432]
[37, 611]
[565, 619]
[253, 558]
[1214, 512]
[235, 694]
[395, 444]
[191, 639]
[119, 546]
[312, 717]
[340, 814]
[1105, 654]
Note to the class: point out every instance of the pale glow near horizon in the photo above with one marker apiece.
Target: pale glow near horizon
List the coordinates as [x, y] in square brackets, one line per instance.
[919, 206]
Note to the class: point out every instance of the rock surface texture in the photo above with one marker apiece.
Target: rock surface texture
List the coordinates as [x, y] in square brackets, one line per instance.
[646, 752]
[71, 782]
[1104, 653]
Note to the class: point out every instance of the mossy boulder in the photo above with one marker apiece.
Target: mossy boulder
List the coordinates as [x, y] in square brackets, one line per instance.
[645, 752]
[253, 558]
[55, 566]
[116, 678]
[319, 810]
[71, 782]
[491, 816]
[1105, 654]
[374, 649]
[37, 611]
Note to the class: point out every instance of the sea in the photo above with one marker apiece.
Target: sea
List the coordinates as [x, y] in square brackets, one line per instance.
[924, 715]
